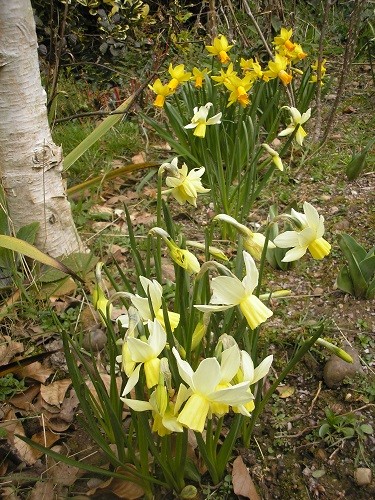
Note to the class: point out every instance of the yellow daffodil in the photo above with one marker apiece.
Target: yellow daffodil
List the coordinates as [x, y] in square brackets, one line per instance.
[179, 75]
[229, 291]
[214, 251]
[99, 300]
[198, 76]
[252, 242]
[225, 76]
[199, 121]
[220, 48]
[146, 351]
[154, 292]
[296, 120]
[161, 91]
[308, 237]
[185, 186]
[252, 67]
[202, 391]
[275, 156]
[297, 54]
[323, 69]
[239, 88]
[180, 256]
[277, 69]
[284, 39]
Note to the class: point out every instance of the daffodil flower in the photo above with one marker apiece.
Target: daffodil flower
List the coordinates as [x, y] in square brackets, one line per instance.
[297, 121]
[225, 76]
[229, 291]
[275, 156]
[323, 69]
[185, 186]
[277, 69]
[163, 410]
[161, 91]
[154, 292]
[198, 76]
[252, 67]
[252, 242]
[202, 391]
[239, 88]
[180, 256]
[199, 121]
[284, 39]
[220, 48]
[99, 299]
[146, 351]
[179, 75]
[248, 373]
[308, 237]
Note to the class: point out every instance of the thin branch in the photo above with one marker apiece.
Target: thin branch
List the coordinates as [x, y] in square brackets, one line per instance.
[264, 41]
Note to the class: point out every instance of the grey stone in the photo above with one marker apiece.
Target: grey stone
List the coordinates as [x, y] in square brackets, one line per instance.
[336, 369]
[363, 476]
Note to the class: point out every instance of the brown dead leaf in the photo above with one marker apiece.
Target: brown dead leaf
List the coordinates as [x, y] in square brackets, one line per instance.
[143, 218]
[139, 158]
[22, 450]
[61, 421]
[46, 438]
[8, 493]
[24, 401]
[54, 393]
[65, 475]
[242, 483]
[8, 349]
[285, 391]
[42, 491]
[36, 371]
[126, 490]
[107, 382]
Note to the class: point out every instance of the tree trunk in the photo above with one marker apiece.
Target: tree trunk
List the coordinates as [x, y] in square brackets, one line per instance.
[30, 163]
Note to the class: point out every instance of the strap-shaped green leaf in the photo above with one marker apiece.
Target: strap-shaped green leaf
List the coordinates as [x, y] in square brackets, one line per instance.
[367, 267]
[350, 248]
[344, 281]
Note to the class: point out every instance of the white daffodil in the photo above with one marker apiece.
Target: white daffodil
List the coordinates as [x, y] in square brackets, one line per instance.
[308, 237]
[297, 119]
[180, 256]
[154, 293]
[275, 156]
[202, 391]
[249, 374]
[186, 185]
[229, 291]
[199, 121]
[252, 242]
[146, 351]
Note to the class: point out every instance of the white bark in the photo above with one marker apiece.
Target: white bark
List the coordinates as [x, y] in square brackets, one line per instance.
[30, 163]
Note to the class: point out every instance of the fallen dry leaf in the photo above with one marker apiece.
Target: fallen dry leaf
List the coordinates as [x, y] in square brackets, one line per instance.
[285, 391]
[36, 371]
[8, 349]
[24, 401]
[42, 491]
[54, 393]
[143, 218]
[64, 474]
[242, 483]
[22, 450]
[126, 490]
[139, 158]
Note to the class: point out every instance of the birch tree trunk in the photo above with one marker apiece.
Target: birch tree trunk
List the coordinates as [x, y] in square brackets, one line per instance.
[30, 163]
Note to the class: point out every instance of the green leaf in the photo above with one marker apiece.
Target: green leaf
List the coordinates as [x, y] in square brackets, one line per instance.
[367, 429]
[357, 163]
[367, 267]
[354, 254]
[348, 244]
[347, 431]
[20, 246]
[344, 281]
[370, 294]
[28, 233]
[324, 430]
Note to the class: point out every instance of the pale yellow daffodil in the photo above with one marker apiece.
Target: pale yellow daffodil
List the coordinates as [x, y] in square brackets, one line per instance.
[252, 242]
[199, 121]
[179, 75]
[220, 48]
[154, 293]
[202, 391]
[185, 186]
[297, 120]
[161, 91]
[180, 256]
[229, 291]
[309, 235]
[275, 156]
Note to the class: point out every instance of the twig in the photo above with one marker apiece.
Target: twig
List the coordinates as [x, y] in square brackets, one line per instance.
[264, 41]
[88, 113]
[315, 397]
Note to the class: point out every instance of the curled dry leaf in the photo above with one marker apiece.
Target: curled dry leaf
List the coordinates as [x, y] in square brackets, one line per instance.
[36, 371]
[42, 490]
[54, 393]
[8, 349]
[242, 483]
[24, 401]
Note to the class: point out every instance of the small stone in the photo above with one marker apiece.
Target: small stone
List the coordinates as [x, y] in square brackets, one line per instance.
[363, 476]
[95, 340]
[336, 369]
